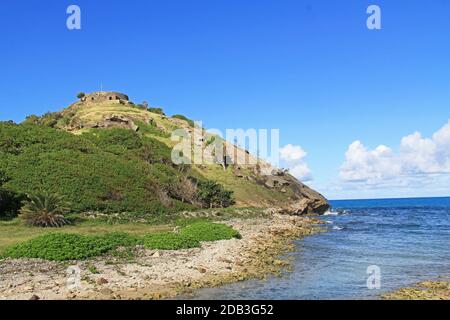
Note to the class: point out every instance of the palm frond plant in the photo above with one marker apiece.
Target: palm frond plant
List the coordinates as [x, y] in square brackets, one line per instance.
[45, 210]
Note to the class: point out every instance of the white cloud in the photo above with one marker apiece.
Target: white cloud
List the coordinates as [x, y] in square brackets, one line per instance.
[363, 165]
[294, 158]
[292, 153]
[417, 160]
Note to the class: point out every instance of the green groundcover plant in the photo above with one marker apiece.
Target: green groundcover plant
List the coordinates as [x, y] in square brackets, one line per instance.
[170, 241]
[66, 246]
[209, 231]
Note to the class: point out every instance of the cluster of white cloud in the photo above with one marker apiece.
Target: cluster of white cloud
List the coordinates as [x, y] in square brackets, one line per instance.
[294, 158]
[418, 167]
[416, 156]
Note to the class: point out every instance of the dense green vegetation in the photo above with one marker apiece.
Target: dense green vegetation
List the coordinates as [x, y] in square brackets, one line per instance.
[9, 201]
[68, 246]
[208, 231]
[170, 241]
[49, 119]
[105, 170]
[65, 246]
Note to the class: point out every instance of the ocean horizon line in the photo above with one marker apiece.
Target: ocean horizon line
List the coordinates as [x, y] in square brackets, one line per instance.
[393, 198]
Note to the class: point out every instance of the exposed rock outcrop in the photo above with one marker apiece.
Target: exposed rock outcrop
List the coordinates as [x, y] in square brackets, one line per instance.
[304, 200]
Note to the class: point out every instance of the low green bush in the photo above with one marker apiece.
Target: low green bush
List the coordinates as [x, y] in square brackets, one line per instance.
[119, 239]
[10, 203]
[65, 246]
[209, 231]
[170, 241]
[157, 111]
[181, 117]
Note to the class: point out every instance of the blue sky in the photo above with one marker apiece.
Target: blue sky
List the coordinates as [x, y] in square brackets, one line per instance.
[310, 68]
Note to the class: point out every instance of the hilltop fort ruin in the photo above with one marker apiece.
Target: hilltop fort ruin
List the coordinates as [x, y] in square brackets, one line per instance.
[102, 96]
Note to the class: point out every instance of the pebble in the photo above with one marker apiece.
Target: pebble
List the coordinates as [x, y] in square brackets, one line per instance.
[201, 270]
[106, 291]
[102, 281]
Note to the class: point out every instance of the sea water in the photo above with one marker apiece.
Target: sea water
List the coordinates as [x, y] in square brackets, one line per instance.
[408, 240]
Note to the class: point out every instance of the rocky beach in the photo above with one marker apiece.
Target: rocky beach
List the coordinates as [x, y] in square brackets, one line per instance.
[156, 274]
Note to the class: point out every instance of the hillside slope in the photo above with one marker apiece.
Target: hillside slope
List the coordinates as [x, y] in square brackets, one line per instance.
[120, 153]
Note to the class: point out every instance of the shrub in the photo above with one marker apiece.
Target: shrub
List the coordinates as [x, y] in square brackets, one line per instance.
[144, 105]
[3, 177]
[170, 241]
[116, 140]
[81, 95]
[65, 246]
[80, 168]
[10, 203]
[209, 231]
[181, 117]
[214, 195]
[32, 119]
[157, 111]
[151, 128]
[119, 239]
[49, 119]
[44, 210]
[107, 171]
[184, 190]
[153, 151]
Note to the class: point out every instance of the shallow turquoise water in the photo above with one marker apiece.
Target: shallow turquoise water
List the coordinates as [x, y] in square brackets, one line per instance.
[408, 239]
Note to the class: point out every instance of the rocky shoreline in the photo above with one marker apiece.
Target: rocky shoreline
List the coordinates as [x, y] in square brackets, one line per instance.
[426, 290]
[152, 274]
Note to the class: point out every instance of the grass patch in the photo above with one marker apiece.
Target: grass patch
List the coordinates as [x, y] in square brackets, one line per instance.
[209, 231]
[246, 193]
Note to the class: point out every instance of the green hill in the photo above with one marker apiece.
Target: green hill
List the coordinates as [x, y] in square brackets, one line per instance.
[106, 154]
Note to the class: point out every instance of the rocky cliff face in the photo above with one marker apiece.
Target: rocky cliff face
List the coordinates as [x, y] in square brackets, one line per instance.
[299, 198]
[254, 181]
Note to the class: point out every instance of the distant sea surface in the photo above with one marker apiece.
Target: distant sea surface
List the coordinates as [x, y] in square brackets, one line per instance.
[408, 239]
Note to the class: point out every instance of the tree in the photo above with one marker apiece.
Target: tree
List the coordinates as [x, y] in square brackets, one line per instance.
[214, 195]
[81, 95]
